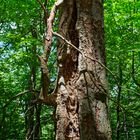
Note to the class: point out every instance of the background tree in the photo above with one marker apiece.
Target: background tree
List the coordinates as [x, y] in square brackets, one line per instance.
[82, 85]
[122, 42]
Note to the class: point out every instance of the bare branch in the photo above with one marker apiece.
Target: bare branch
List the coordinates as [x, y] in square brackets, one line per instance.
[48, 38]
[44, 59]
[84, 55]
[69, 43]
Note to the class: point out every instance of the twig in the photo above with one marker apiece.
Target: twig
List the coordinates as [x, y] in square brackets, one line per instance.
[84, 55]
[29, 109]
[60, 36]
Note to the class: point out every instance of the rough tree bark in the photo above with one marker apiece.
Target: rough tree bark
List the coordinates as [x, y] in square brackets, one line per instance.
[82, 94]
[82, 110]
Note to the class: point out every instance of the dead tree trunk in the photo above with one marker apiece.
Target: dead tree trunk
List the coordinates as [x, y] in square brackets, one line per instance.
[81, 93]
[82, 108]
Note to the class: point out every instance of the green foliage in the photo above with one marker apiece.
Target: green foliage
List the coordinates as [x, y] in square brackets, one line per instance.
[122, 39]
[21, 38]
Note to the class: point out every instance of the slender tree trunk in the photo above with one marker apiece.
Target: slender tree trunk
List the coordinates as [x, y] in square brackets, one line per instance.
[30, 122]
[37, 123]
[133, 131]
[82, 104]
[118, 127]
[125, 128]
[3, 125]
[33, 119]
[31, 107]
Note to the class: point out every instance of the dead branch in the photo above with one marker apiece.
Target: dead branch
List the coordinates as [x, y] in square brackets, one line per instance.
[69, 43]
[44, 79]
[48, 37]
[44, 58]
[84, 55]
